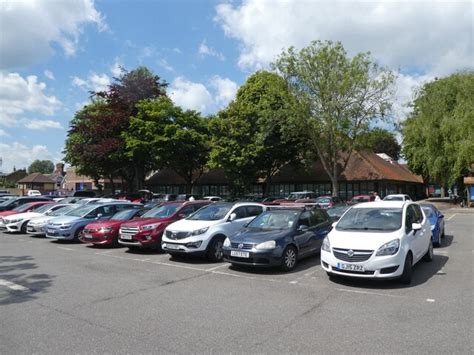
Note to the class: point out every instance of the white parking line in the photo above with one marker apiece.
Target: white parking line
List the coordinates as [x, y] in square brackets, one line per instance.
[369, 293]
[217, 267]
[13, 286]
[451, 217]
[64, 248]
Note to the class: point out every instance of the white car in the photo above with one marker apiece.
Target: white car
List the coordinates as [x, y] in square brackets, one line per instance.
[397, 197]
[204, 232]
[37, 225]
[34, 193]
[18, 222]
[378, 240]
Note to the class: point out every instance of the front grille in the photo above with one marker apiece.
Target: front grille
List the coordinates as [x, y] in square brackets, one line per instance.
[358, 255]
[176, 235]
[244, 246]
[129, 230]
[90, 231]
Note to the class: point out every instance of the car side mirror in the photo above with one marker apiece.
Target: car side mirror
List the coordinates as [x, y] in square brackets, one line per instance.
[232, 217]
[416, 226]
[441, 216]
[303, 228]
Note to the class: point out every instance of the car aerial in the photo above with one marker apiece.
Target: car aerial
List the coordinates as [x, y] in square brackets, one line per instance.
[397, 197]
[31, 206]
[18, 222]
[37, 225]
[378, 240]
[436, 219]
[106, 232]
[12, 203]
[278, 237]
[204, 232]
[71, 224]
[360, 198]
[147, 231]
[337, 211]
[328, 201]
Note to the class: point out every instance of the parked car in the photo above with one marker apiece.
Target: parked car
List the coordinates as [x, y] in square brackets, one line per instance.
[37, 225]
[212, 198]
[378, 240]
[397, 197]
[147, 231]
[34, 193]
[278, 237]
[436, 219]
[335, 212]
[293, 196]
[70, 225]
[360, 198]
[18, 222]
[204, 232]
[12, 203]
[107, 232]
[24, 208]
[328, 201]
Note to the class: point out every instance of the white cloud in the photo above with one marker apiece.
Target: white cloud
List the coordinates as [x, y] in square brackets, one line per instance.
[225, 90]
[189, 95]
[115, 68]
[165, 65]
[406, 86]
[49, 74]
[29, 28]
[42, 124]
[205, 50]
[3, 133]
[95, 82]
[20, 156]
[434, 36]
[19, 95]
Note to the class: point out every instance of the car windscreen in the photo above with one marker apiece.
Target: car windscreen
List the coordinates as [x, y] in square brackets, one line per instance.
[377, 219]
[6, 202]
[428, 212]
[43, 208]
[212, 212]
[124, 215]
[22, 208]
[162, 211]
[81, 211]
[62, 210]
[297, 196]
[337, 211]
[274, 220]
[323, 200]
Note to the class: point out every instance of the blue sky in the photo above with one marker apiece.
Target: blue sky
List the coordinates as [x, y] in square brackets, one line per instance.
[53, 52]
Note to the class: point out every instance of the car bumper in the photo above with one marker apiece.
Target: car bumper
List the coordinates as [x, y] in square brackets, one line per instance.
[35, 229]
[141, 240]
[60, 234]
[255, 258]
[381, 267]
[185, 246]
[99, 239]
[13, 227]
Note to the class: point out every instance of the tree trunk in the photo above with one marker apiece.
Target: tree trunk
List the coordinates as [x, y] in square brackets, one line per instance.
[268, 182]
[112, 184]
[335, 186]
[139, 180]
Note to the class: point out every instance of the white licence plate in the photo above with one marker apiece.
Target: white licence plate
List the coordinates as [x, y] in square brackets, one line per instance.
[172, 246]
[87, 236]
[240, 254]
[350, 267]
[51, 231]
[125, 237]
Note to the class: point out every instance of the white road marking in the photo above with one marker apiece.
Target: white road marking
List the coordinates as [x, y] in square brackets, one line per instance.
[369, 293]
[430, 300]
[64, 248]
[451, 217]
[104, 252]
[217, 267]
[13, 286]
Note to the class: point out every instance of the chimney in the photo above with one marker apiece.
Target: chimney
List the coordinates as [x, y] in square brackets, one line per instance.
[59, 169]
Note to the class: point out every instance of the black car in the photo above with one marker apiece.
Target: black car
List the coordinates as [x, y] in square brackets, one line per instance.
[278, 237]
[12, 203]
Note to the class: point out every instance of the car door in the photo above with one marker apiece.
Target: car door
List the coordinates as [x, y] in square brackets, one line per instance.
[242, 218]
[424, 234]
[320, 225]
[413, 237]
[304, 238]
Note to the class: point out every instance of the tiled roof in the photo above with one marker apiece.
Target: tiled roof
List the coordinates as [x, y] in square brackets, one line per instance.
[36, 177]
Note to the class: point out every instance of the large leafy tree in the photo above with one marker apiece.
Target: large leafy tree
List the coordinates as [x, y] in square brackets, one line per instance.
[41, 166]
[379, 140]
[250, 137]
[165, 136]
[438, 136]
[339, 97]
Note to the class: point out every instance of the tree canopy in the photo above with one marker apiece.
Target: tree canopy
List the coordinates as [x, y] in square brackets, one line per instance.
[338, 96]
[41, 166]
[438, 136]
[379, 140]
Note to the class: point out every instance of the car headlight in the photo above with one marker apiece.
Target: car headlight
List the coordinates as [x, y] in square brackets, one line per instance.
[106, 229]
[433, 227]
[66, 226]
[326, 246]
[227, 243]
[390, 248]
[149, 226]
[200, 231]
[8, 221]
[271, 244]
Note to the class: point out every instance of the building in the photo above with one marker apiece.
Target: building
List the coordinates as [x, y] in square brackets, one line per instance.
[365, 172]
[75, 182]
[36, 181]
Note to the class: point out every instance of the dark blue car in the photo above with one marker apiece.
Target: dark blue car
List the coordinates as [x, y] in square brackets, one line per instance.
[436, 219]
[278, 237]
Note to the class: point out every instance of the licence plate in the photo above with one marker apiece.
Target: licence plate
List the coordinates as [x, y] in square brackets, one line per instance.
[30, 229]
[172, 246]
[87, 236]
[51, 231]
[240, 254]
[126, 237]
[350, 267]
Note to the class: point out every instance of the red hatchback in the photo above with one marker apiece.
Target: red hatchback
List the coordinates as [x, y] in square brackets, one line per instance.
[106, 232]
[27, 207]
[147, 231]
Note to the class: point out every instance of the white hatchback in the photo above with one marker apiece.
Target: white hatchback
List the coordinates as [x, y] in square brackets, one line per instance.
[378, 240]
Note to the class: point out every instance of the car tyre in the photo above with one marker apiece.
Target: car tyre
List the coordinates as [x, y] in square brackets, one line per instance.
[23, 227]
[77, 233]
[442, 233]
[289, 258]
[407, 270]
[215, 250]
[429, 253]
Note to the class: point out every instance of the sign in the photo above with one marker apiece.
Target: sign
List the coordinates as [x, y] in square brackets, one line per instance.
[471, 189]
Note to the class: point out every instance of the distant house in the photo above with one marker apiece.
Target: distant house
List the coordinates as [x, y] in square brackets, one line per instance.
[75, 182]
[15, 176]
[36, 181]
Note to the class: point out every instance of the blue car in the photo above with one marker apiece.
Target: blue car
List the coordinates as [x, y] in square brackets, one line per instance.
[278, 237]
[70, 225]
[436, 219]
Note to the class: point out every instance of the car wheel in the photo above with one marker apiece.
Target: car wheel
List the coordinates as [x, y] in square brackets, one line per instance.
[438, 243]
[76, 235]
[23, 227]
[288, 259]
[429, 253]
[214, 251]
[407, 270]
[442, 233]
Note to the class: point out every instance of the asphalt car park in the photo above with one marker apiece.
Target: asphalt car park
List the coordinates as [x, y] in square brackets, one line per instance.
[62, 297]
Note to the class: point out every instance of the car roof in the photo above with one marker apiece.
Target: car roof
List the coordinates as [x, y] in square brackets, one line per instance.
[382, 204]
[397, 195]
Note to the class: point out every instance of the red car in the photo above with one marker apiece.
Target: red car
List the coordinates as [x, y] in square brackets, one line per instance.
[27, 207]
[360, 198]
[106, 232]
[147, 231]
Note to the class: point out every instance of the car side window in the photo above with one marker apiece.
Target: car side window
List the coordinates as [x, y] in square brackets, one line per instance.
[240, 212]
[304, 219]
[317, 217]
[187, 210]
[108, 210]
[410, 218]
[419, 214]
[253, 211]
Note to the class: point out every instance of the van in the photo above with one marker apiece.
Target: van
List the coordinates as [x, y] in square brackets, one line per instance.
[34, 193]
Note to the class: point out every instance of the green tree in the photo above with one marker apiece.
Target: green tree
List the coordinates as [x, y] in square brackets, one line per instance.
[379, 140]
[41, 166]
[339, 97]
[250, 138]
[165, 136]
[438, 136]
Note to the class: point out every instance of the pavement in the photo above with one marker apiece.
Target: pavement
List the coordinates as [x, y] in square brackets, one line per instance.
[66, 298]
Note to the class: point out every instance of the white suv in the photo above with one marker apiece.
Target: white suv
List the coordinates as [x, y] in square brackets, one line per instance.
[378, 240]
[204, 232]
